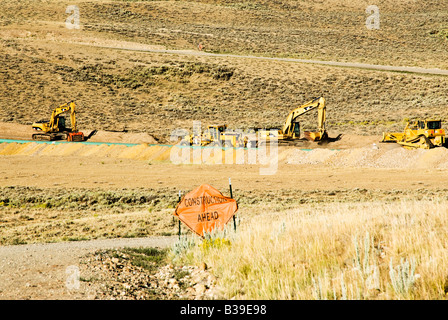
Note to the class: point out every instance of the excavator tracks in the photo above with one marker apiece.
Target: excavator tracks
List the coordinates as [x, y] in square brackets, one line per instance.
[49, 136]
[422, 142]
[41, 137]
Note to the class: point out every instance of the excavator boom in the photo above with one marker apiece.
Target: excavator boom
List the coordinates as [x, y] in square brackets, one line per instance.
[289, 134]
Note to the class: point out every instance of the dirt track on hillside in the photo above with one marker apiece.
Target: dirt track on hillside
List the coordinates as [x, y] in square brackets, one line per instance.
[432, 71]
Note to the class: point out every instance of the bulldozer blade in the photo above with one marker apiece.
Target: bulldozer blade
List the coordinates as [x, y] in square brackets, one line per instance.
[392, 137]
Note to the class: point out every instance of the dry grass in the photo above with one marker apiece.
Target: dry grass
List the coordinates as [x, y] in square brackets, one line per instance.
[30, 215]
[33, 215]
[301, 246]
[412, 32]
[373, 250]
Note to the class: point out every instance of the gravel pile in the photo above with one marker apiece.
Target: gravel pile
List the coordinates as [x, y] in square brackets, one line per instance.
[373, 157]
[116, 278]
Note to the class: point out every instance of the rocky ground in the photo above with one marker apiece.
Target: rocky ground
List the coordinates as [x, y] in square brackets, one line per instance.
[116, 277]
[106, 269]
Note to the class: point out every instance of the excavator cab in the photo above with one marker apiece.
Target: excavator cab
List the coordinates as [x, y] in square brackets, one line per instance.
[433, 125]
[61, 123]
[296, 130]
[216, 131]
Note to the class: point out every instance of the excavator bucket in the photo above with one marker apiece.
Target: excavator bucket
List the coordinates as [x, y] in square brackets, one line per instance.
[315, 135]
[75, 136]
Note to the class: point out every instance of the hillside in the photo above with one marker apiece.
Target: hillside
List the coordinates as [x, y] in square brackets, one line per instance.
[44, 64]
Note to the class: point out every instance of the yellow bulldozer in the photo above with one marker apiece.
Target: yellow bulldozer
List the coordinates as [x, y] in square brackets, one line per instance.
[425, 134]
[56, 129]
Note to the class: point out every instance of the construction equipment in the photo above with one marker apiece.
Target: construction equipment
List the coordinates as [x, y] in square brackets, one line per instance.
[55, 128]
[291, 128]
[216, 135]
[426, 134]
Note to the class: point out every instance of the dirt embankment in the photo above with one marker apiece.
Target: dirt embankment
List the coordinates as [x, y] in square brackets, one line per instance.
[351, 151]
[24, 132]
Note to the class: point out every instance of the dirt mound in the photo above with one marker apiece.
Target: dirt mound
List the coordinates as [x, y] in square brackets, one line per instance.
[24, 132]
[391, 157]
[348, 141]
[15, 131]
[350, 151]
[373, 157]
[123, 137]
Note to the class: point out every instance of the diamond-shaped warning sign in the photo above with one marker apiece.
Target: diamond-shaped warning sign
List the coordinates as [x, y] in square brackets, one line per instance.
[205, 209]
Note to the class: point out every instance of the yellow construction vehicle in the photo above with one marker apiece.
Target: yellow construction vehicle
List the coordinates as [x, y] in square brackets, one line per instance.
[216, 135]
[291, 128]
[426, 134]
[55, 128]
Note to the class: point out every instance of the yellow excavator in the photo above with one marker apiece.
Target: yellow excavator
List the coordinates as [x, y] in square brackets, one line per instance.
[425, 134]
[289, 134]
[55, 128]
[291, 128]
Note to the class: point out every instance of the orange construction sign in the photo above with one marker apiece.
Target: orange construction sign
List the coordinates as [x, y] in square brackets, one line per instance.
[205, 209]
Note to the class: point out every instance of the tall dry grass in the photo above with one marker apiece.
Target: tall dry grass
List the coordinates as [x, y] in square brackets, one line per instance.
[375, 250]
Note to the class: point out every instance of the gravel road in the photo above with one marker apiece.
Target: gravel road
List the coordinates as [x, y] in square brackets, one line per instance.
[43, 271]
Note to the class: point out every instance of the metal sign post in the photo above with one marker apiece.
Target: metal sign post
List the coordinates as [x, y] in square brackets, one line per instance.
[180, 198]
[231, 196]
